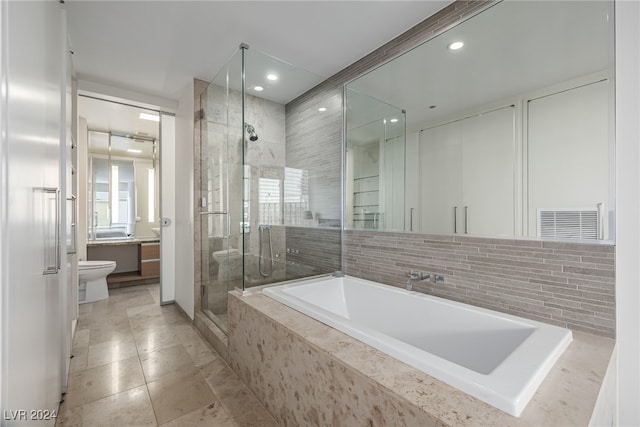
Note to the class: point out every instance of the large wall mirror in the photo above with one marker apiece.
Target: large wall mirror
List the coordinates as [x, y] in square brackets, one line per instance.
[123, 190]
[501, 126]
[122, 195]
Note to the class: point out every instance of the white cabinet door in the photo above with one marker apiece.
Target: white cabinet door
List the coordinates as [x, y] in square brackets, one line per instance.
[568, 150]
[392, 183]
[413, 220]
[488, 161]
[32, 320]
[441, 178]
[467, 175]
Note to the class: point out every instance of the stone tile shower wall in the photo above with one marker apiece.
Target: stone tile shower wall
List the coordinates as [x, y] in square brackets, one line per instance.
[314, 144]
[566, 284]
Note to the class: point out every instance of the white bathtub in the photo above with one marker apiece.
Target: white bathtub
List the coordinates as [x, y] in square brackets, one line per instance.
[495, 357]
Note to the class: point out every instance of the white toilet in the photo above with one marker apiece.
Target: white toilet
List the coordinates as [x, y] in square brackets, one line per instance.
[92, 276]
[229, 264]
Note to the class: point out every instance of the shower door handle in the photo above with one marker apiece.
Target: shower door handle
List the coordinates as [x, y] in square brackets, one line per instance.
[219, 213]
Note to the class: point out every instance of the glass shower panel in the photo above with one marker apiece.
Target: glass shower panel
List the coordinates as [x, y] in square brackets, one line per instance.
[375, 164]
[270, 170]
[276, 196]
[220, 177]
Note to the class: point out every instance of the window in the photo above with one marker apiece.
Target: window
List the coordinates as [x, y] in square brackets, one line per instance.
[269, 200]
[296, 196]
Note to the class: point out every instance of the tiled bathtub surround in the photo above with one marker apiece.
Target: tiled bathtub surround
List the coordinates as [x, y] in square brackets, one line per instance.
[308, 374]
[312, 251]
[566, 284]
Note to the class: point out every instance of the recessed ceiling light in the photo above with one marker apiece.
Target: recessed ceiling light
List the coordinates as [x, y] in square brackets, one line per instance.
[322, 109]
[272, 77]
[152, 117]
[258, 88]
[394, 120]
[134, 150]
[455, 45]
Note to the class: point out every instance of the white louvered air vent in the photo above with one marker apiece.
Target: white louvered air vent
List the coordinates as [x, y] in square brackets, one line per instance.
[568, 223]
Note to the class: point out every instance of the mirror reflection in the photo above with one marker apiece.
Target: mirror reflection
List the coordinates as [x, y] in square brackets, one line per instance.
[123, 186]
[506, 128]
[375, 160]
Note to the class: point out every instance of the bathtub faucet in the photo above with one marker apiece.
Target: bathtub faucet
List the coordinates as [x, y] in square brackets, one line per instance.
[416, 275]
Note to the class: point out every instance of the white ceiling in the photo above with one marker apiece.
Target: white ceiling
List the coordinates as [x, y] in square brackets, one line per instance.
[510, 49]
[156, 47]
[110, 116]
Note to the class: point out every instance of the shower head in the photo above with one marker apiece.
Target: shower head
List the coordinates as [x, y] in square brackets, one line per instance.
[253, 136]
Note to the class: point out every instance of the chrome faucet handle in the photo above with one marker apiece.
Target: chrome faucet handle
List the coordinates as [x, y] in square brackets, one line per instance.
[414, 275]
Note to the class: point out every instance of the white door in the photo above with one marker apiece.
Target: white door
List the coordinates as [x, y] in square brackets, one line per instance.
[441, 178]
[568, 150]
[488, 162]
[30, 252]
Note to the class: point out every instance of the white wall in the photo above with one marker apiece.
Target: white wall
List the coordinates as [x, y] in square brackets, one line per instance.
[184, 202]
[627, 18]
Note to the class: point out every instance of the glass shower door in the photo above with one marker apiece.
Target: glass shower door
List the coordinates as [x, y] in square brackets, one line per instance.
[221, 257]
[258, 223]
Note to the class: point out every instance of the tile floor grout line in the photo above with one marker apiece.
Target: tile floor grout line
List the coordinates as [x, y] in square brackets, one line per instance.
[106, 319]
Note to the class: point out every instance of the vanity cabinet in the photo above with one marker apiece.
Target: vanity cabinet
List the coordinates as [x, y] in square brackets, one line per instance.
[467, 170]
[150, 259]
[136, 259]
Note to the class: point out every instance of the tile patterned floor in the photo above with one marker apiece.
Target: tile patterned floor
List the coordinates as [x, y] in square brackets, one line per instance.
[137, 363]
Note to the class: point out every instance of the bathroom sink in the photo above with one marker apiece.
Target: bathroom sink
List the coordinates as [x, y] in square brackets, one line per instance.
[156, 231]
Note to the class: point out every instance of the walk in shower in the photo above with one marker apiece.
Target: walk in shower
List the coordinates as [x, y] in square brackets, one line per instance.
[269, 199]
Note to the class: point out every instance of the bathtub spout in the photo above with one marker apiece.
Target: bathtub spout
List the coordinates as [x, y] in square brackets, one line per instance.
[416, 275]
[413, 275]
